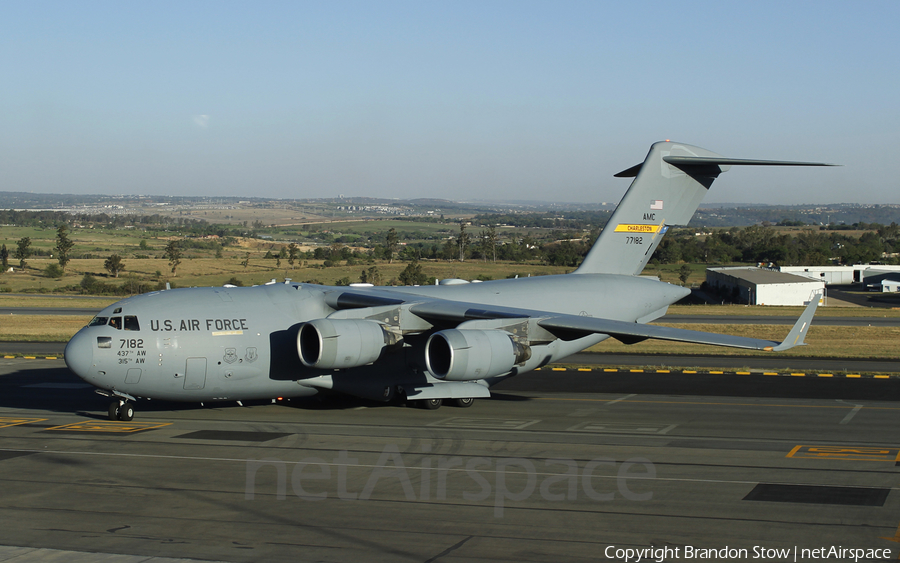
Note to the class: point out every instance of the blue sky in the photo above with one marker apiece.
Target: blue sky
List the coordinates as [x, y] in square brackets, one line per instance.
[460, 100]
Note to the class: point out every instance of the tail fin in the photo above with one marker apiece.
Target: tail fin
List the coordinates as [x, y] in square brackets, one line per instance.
[667, 189]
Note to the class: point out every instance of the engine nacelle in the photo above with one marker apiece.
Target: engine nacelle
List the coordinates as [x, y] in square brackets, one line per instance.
[340, 343]
[467, 355]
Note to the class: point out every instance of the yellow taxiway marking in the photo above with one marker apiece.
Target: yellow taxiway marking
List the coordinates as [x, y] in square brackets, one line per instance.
[720, 404]
[857, 453]
[881, 376]
[663, 371]
[826, 375]
[853, 375]
[896, 538]
[558, 369]
[109, 426]
[585, 369]
[688, 371]
[743, 373]
[798, 375]
[15, 421]
[770, 373]
[609, 369]
[636, 371]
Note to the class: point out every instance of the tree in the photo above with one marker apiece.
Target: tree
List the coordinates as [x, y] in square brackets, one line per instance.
[462, 242]
[390, 245]
[4, 257]
[372, 276]
[173, 254]
[412, 274]
[23, 251]
[53, 271]
[492, 242]
[293, 251]
[63, 245]
[684, 273]
[114, 265]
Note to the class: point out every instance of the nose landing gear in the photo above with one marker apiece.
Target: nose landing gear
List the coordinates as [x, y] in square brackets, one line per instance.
[120, 408]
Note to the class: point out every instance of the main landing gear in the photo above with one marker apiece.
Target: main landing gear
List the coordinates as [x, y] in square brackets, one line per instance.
[432, 404]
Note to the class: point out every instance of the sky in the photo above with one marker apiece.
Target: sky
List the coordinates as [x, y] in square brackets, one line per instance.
[455, 99]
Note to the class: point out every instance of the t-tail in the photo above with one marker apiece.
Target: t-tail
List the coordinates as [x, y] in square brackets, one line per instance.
[667, 189]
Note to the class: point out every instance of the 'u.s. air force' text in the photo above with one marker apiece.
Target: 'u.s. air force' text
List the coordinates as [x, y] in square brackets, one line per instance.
[188, 325]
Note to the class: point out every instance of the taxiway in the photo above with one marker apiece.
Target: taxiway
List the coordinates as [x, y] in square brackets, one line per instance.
[557, 466]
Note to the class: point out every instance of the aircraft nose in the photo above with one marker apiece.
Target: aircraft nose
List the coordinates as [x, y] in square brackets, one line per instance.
[79, 355]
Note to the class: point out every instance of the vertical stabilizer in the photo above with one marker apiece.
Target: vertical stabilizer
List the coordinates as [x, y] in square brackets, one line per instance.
[667, 189]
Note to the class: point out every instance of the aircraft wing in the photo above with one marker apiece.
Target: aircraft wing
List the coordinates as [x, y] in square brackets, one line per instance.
[634, 332]
[570, 327]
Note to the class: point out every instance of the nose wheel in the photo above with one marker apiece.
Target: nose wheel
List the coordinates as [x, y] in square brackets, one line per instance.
[121, 410]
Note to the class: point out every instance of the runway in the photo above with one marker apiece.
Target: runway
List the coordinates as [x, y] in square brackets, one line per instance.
[557, 466]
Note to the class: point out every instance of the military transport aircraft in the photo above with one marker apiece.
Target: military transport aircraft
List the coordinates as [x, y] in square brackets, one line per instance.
[447, 342]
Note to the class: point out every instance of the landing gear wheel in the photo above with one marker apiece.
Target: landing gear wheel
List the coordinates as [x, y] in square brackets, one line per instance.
[126, 412]
[114, 410]
[464, 403]
[431, 404]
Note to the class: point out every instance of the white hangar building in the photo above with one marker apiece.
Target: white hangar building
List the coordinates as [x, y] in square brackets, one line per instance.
[845, 275]
[758, 286]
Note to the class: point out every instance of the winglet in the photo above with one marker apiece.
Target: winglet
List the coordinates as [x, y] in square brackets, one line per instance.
[801, 327]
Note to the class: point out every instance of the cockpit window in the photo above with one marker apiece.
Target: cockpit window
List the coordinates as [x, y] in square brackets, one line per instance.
[116, 322]
[131, 323]
[98, 321]
[104, 342]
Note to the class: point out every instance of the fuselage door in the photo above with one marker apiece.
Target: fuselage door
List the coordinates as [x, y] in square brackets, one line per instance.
[195, 373]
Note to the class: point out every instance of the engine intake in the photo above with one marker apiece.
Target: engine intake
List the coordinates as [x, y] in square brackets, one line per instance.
[340, 343]
[466, 355]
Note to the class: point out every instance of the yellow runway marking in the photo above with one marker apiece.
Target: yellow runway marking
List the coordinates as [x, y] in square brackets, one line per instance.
[6, 421]
[109, 426]
[856, 453]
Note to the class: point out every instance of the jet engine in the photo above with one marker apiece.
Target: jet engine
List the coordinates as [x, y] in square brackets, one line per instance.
[340, 343]
[465, 355]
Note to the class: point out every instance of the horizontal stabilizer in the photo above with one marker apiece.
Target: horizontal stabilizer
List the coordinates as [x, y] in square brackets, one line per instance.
[721, 161]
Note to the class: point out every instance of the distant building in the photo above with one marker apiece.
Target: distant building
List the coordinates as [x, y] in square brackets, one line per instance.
[865, 274]
[759, 286]
[885, 286]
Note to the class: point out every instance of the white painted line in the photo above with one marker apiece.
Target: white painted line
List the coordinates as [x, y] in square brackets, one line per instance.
[851, 414]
